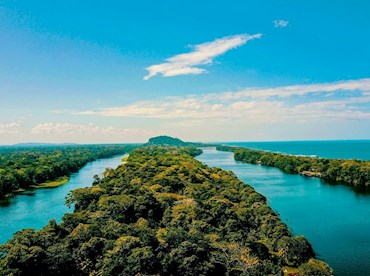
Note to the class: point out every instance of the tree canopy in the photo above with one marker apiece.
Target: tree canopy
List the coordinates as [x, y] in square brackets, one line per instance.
[166, 141]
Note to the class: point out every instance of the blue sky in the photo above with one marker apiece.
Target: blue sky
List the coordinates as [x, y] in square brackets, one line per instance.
[123, 71]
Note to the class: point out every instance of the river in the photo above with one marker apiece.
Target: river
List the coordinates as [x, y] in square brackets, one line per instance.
[35, 208]
[334, 218]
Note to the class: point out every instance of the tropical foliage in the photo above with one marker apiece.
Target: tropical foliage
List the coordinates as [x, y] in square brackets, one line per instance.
[163, 213]
[164, 140]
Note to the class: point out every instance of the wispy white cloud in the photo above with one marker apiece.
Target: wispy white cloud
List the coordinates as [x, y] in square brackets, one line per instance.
[280, 23]
[15, 132]
[64, 129]
[10, 128]
[202, 54]
[315, 110]
[25, 117]
[362, 85]
[329, 100]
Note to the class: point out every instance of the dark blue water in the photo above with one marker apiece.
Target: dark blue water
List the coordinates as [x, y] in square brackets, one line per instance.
[359, 149]
[335, 219]
[35, 209]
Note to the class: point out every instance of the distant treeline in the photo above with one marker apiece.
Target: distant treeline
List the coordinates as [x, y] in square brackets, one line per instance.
[24, 167]
[349, 172]
[163, 213]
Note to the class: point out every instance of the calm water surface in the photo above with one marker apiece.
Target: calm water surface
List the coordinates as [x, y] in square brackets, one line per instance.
[35, 209]
[335, 219]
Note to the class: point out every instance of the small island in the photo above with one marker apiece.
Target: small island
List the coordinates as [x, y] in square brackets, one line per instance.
[53, 184]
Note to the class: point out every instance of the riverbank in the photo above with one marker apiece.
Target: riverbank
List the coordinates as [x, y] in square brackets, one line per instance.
[354, 173]
[34, 208]
[22, 168]
[53, 184]
[46, 185]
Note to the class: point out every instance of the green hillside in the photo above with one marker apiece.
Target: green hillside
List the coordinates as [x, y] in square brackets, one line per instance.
[166, 141]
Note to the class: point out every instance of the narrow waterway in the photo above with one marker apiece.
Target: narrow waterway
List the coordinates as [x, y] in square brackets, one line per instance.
[334, 218]
[35, 208]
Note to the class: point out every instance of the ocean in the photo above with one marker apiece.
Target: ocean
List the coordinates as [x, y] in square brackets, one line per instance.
[340, 149]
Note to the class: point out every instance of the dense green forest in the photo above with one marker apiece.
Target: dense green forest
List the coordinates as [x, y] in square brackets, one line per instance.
[164, 140]
[163, 213]
[24, 167]
[350, 172]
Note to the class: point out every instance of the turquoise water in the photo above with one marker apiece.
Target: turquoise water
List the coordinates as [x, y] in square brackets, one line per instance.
[331, 149]
[335, 219]
[36, 208]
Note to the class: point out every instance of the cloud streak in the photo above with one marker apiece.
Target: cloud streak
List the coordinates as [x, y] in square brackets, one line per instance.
[337, 100]
[202, 54]
[73, 130]
[280, 23]
[362, 85]
[9, 128]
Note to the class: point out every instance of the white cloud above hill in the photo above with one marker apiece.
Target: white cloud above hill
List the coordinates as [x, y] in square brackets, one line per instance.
[202, 54]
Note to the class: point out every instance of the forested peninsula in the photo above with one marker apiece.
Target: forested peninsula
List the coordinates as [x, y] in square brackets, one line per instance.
[354, 173]
[163, 213]
[23, 167]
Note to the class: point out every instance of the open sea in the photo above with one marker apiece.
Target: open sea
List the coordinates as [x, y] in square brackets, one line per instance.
[354, 149]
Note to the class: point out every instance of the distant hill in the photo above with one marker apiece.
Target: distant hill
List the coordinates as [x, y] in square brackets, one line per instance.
[166, 141]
